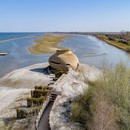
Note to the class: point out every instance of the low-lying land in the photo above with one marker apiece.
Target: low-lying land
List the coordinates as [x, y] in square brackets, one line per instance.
[48, 44]
[121, 40]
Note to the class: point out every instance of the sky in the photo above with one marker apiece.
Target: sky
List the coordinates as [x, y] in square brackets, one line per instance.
[64, 15]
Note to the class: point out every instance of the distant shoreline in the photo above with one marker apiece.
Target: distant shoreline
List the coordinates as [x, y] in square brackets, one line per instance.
[102, 36]
[113, 43]
[48, 44]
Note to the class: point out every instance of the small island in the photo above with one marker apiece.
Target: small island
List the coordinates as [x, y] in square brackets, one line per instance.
[3, 53]
[48, 44]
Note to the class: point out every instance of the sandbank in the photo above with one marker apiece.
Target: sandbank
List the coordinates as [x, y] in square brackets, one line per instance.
[48, 44]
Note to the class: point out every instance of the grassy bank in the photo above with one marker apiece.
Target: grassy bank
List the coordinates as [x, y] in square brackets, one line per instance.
[48, 44]
[106, 104]
[115, 42]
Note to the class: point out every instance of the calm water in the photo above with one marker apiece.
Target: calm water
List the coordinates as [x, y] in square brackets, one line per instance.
[19, 56]
[93, 51]
[88, 49]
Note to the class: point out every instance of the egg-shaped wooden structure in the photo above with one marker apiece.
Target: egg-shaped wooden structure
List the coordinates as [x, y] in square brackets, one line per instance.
[63, 60]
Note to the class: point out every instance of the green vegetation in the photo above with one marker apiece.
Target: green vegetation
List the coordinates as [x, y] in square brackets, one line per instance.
[121, 40]
[34, 103]
[106, 103]
[27, 112]
[48, 44]
[42, 88]
[2, 125]
[38, 93]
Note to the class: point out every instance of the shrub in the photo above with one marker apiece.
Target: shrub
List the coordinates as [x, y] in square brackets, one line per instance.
[76, 112]
[106, 103]
[26, 112]
[42, 88]
[128, 48]
[35, 101]
[38, 93]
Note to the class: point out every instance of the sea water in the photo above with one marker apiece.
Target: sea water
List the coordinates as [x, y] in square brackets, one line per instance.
[16, 45]
[89, 50]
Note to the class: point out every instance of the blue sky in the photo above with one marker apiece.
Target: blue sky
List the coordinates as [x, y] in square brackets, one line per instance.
[64, 15]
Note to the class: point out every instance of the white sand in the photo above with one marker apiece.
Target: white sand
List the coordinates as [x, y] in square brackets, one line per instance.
[20, 81]
[7, 96]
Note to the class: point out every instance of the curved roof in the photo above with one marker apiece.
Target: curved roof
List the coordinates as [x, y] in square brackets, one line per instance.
[63, 59]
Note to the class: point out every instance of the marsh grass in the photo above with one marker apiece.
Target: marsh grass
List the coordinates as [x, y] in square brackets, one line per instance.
[106, 103]
[24, 112]
[34, 103]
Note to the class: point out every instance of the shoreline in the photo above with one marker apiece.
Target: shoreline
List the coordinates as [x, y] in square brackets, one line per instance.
[22, 80]
[48, 44]
[125, 48]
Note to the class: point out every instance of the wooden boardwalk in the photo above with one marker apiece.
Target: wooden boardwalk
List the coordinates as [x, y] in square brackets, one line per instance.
[44, 121]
